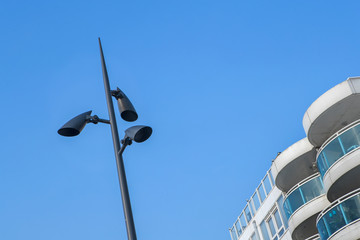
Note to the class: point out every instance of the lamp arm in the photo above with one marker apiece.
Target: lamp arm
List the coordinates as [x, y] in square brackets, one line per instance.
[125, 142]
[95, 119]
[117, 93]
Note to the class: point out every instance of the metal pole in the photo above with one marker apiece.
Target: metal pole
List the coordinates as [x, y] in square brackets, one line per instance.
[129, 221]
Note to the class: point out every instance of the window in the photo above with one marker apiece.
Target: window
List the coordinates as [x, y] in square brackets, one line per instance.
[233, 234]
[264, 231]
[248, 213]
[254, 237]
[255, 201]
[242, 221]
[267, 184]
[279, 223]
[261, 192]
[272, 227]
[280, 203]
[271, 177]
[238, 228]
[252, 206]
[275, 225]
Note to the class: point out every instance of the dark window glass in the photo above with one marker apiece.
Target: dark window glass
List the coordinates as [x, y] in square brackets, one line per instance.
[334, 219]
[322, 164]
[312, 189]
[295, 201]
[350, 139]
[281, 232]
[333, 151]
[351, 208]
[322, 229]
[338, 147]
[287, 209]
[304, 193]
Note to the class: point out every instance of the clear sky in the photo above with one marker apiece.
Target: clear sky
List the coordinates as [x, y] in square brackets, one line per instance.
[224, 84]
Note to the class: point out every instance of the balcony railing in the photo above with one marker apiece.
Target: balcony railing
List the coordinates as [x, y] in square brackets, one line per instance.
[315, 237]
[339, 214]
[302, 193]
[339, 145]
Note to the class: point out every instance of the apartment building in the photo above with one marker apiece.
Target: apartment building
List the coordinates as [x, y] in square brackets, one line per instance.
[312, 190]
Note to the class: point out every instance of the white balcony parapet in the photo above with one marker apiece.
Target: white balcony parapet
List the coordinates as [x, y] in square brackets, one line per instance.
[294, 164]
[332, 111]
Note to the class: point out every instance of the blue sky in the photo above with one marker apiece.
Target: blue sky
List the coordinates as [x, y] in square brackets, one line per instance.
[224, 84]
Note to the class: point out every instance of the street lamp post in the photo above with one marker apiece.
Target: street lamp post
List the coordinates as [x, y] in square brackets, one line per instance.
[137, 133]
[129, 220]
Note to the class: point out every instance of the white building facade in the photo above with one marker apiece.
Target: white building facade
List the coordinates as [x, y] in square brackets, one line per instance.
[312, 190]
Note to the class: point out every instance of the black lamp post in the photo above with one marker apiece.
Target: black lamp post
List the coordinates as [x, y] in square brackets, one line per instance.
[136, 133]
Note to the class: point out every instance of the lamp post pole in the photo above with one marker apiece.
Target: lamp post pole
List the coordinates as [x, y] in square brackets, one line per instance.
[129, 220]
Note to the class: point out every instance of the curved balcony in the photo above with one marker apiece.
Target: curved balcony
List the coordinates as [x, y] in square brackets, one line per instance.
[294, 164]
[302, 205]
[338, 161]
[332, 111]
[341, 220]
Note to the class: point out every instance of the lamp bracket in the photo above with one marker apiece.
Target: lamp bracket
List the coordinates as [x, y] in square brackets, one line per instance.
[95, 119]
[126, 141]
[117, 93]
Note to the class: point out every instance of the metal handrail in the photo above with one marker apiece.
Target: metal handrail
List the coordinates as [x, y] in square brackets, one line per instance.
[335, 135]
[308, 179]
[314, 237]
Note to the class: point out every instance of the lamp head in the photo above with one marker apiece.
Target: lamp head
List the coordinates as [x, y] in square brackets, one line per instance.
[138, 133]
[127, 110]
[74, 126]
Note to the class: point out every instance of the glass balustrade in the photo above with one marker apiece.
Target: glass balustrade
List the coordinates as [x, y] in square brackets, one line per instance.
[343, 143]
[303, 193]
[339, 215]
